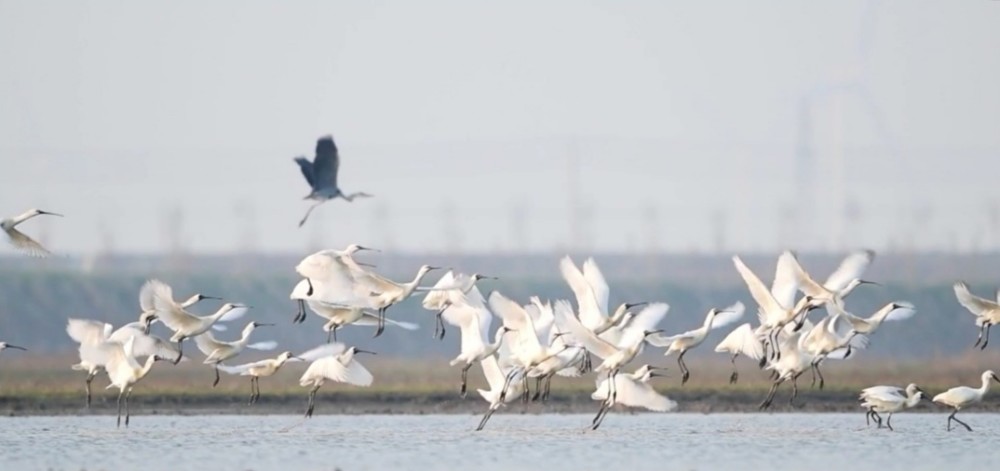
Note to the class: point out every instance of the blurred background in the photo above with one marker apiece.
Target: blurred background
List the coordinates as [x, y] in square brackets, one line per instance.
[660, 137]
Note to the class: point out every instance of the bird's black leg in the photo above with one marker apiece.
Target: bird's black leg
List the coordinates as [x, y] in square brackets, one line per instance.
[548, 387]
[952, 417]
[527, 391]
[180, 351]
[90, 378]
[685, 374]
[120, 394]
[312, 401]
[381, 321]
[795, 390]
[770, 394]
[506, 385]
[216, 382]
[736, 374]
[979, 338]
[868, 417]
[465, 378]
[888, 422]
[300, 315]
[439, 323]
[253, 390]
[486, 418]
[987, 339]
[538, 389]
[820, 374]
[128, 411]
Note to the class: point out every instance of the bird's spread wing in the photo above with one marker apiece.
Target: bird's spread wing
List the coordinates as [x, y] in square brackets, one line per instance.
[26, 244]
[742, 340]
[786, 282]
[491, 370]
[973, 303]
[515, 317]
[437, 299]
[242, 369]
[770, 307]
[166, 309]
[207, 343]
[647, 319]
[370, 319]
[144, 345]
[633, 393]
[327, 162]
[88, 332]
[597, 283]
[307, 169]
[853, 266]
[566, 321]
[263, 345]
[591, 315]
[808, 285]
[325, 350]
[883, 393]
[901, 310]
[331, 367]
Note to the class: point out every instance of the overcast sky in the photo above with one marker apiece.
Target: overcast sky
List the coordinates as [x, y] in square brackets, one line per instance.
[685, 121]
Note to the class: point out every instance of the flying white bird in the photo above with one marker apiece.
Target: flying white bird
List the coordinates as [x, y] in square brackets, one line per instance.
[90, 334]
[343, 259]
[894, 311]
[217, 351]
[840, 283]
[681, 343]
[474, 320]
[123, 369]
[270, 366]
[825, 339]
[961, 396]
[321, 174]
[183, 323]
[614, 357]
[340, 367]
[149, 312]
[450, 290]
[987, 312]
[19, 240]
[330, 279]
[525, 347]
[592, 293]
[633, 390]
[741, 341]
[888, 399]
[775, 313]
[501, 390]
[796, 358]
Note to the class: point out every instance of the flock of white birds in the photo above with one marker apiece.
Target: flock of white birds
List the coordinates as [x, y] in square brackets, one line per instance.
[537, 340]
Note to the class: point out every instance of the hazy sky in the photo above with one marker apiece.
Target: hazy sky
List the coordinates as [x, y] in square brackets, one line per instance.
[678, 114]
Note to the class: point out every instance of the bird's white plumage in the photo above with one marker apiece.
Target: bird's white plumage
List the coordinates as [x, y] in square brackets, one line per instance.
[743, 341]
[633, 392]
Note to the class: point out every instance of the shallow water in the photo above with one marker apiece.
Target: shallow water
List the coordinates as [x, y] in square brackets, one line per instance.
[510, 441]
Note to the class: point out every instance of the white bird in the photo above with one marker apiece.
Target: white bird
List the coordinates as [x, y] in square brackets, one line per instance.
[961, 396]
[331, 280]
[451, 289]
[840, 283]
[526, 349]
[19, 240]
[91, 333]
[592, 293]
[501, 390]
[987, 312]
[123, 370]
[614, 357]
[344, 260]
[894, 311]
[270, 366]
[793, 362]
[217, 351]
[338, 316]
[321, 174]
[741, 341]
[571, 359]
[774, 313]
[183, 323]
[149, 312]
[474, 321]
[340, 367]
[681, 343]
[888, 399]
[825, 339]
[633, 390]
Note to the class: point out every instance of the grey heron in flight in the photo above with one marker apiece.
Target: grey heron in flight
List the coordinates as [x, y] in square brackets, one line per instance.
[321, 174]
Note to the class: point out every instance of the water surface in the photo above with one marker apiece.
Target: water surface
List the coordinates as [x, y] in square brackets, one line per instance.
[510, 441]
